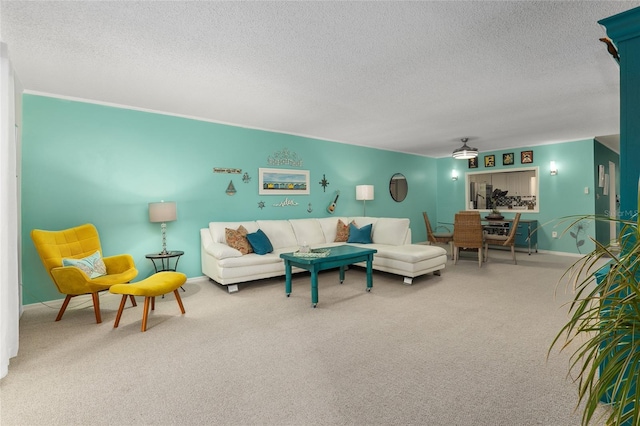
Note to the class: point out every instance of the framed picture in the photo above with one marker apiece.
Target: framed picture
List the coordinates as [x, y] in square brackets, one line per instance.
[473, 163]
[526, 157]
[507, 159]
[489, 160]
[283, 182]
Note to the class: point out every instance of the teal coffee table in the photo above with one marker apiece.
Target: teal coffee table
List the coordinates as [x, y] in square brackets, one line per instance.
[339, 256]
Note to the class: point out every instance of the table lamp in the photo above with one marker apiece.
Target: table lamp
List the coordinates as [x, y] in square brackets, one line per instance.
[163, 212]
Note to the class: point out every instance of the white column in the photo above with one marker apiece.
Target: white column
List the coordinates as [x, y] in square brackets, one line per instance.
[10, 305]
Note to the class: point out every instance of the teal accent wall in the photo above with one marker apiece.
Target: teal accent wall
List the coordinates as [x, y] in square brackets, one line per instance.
[560, 196]
[83, 162]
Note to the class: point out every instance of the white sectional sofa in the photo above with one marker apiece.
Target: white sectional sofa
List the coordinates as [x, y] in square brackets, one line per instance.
[391, 237]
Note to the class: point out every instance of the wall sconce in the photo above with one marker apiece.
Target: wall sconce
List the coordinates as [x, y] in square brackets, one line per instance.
[163, 212]
[364, 193]
[454, 174]
[553, 168]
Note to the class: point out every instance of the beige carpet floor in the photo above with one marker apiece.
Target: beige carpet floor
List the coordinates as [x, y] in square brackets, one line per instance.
[466, 348]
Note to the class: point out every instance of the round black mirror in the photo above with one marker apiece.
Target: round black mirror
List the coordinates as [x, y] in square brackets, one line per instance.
[398, 187]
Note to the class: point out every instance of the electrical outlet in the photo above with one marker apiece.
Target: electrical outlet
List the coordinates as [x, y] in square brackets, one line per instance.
[554, 234]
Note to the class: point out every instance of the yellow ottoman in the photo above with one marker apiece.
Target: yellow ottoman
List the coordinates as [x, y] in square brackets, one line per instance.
[156, 285]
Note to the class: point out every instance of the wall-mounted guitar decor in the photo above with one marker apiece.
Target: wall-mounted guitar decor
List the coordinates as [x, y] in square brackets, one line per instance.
[332, 207]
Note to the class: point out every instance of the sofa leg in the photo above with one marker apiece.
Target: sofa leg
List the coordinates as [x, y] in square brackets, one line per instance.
[437, 273]
[232, 288]
[408, 280]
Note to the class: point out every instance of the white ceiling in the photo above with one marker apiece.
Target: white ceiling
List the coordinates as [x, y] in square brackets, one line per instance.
[404, 76]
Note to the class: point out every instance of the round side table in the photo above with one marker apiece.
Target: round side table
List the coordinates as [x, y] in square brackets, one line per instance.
[164, 260]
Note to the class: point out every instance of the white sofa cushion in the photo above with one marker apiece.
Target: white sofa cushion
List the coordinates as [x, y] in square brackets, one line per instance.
[217, 229]
[279, 232]
[329, 227]
[390, 231]
[221, 250]
[307, 231]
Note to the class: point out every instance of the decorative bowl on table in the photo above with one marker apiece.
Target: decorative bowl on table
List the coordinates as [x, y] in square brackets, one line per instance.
[320, 252]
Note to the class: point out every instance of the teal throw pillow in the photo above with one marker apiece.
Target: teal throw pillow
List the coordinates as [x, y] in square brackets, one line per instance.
[360, 235]
[260, 242]
[92, 265]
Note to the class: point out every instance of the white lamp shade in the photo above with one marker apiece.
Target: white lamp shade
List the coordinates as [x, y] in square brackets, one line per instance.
[163, 211]
[364, 192]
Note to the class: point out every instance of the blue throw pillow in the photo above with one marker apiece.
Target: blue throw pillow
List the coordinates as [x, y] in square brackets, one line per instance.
[360, 235]
[260, 242]
[92, 265]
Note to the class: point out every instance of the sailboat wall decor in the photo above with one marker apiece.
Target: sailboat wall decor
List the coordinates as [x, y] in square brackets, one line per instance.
[231, 190]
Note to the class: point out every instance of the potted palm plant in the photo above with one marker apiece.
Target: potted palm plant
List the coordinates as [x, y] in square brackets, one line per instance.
[603, 329]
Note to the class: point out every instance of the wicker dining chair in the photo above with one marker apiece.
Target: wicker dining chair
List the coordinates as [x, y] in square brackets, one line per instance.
[438, 237]
[503, 240]
[467, 234]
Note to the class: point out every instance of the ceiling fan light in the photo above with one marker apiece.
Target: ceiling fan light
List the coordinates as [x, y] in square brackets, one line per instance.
[465, 152]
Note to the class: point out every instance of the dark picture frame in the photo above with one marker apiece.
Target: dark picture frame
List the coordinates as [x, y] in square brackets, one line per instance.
[473, 163]
[508, 159]
[526, 157]
[489, 160]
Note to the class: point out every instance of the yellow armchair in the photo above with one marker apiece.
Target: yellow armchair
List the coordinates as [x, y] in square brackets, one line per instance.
[78, 243]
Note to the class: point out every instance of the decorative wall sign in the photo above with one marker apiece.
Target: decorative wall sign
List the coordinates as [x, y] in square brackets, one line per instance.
[284, 158]
[283, 182]
[226, 170]
[473, 163]
[324, 182]
[246, 178]
[489, 160]
[261, 205]
[508, 159]
[285, 203]
[231, 190]
[309, 209]
[526, 157]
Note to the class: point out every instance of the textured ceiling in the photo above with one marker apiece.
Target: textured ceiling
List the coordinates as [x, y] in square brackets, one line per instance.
[405, 76]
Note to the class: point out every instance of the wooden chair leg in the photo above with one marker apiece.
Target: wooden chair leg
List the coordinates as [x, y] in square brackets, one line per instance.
[133, 300]
[64, 307]
[513, 254]
[122, 303]
[96, 306]
[153, 303]
[145, 313]
[179, 300]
